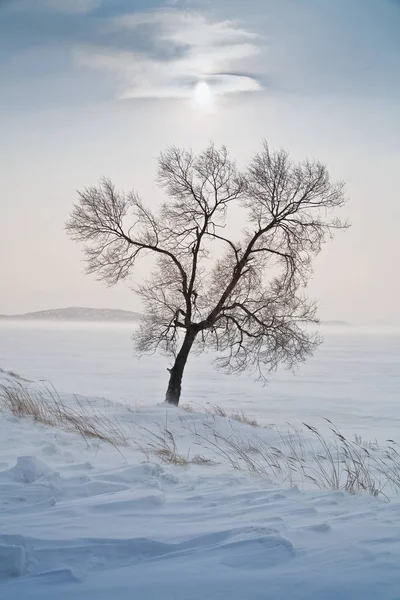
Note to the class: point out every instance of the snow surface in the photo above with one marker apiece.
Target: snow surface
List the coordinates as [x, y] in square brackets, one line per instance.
[79, 519]
[353, 380]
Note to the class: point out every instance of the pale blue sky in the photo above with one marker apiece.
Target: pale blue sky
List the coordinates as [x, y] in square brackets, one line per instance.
[99, 87]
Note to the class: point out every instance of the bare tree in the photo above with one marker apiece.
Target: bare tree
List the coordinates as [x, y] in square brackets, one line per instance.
[244, 299]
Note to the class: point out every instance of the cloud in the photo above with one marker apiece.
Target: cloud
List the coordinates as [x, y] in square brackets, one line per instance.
[184, 27]
[166, 52]
[69, 7]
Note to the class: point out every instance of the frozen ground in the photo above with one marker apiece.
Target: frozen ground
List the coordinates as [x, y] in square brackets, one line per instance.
[80, 520]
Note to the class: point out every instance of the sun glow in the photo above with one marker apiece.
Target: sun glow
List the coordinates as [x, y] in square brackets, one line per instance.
[203, 96]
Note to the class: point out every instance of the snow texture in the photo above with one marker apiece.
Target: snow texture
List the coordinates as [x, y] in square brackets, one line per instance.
[80, 520]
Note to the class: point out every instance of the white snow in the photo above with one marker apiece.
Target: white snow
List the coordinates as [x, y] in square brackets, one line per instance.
[79, 519]
[353, 380]
[12, 559]
[28, 469]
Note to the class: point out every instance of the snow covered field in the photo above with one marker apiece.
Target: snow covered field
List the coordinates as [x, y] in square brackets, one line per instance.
[354, 379]
[79, 519]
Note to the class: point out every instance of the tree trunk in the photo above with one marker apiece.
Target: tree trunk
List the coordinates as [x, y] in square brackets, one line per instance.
[176, 373]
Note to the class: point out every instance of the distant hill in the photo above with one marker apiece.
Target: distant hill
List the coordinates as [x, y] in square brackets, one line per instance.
[76, 314]
[94, 314]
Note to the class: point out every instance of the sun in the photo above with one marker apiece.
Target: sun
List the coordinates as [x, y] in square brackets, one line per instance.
[203, 96]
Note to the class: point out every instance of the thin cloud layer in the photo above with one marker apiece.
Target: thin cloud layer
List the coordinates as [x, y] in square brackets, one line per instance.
[78, 7]
[169, 51]
[71, 6]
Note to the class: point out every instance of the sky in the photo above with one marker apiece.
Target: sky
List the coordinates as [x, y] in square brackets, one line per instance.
[93, 88]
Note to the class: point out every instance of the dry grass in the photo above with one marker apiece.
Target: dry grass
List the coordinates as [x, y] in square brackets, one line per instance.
[14, 375]
[46, 407]
[322, 460]
[239, 416]
[163, 445]
[199, 459]
[328, 462]
[217, 410]
[187, 408]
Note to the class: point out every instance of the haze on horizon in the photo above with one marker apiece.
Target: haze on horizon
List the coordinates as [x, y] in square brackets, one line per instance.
[100, 87]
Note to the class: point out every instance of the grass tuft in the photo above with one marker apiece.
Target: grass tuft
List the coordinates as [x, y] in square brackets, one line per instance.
[239, 416]
[46, 407]
[14, 375]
